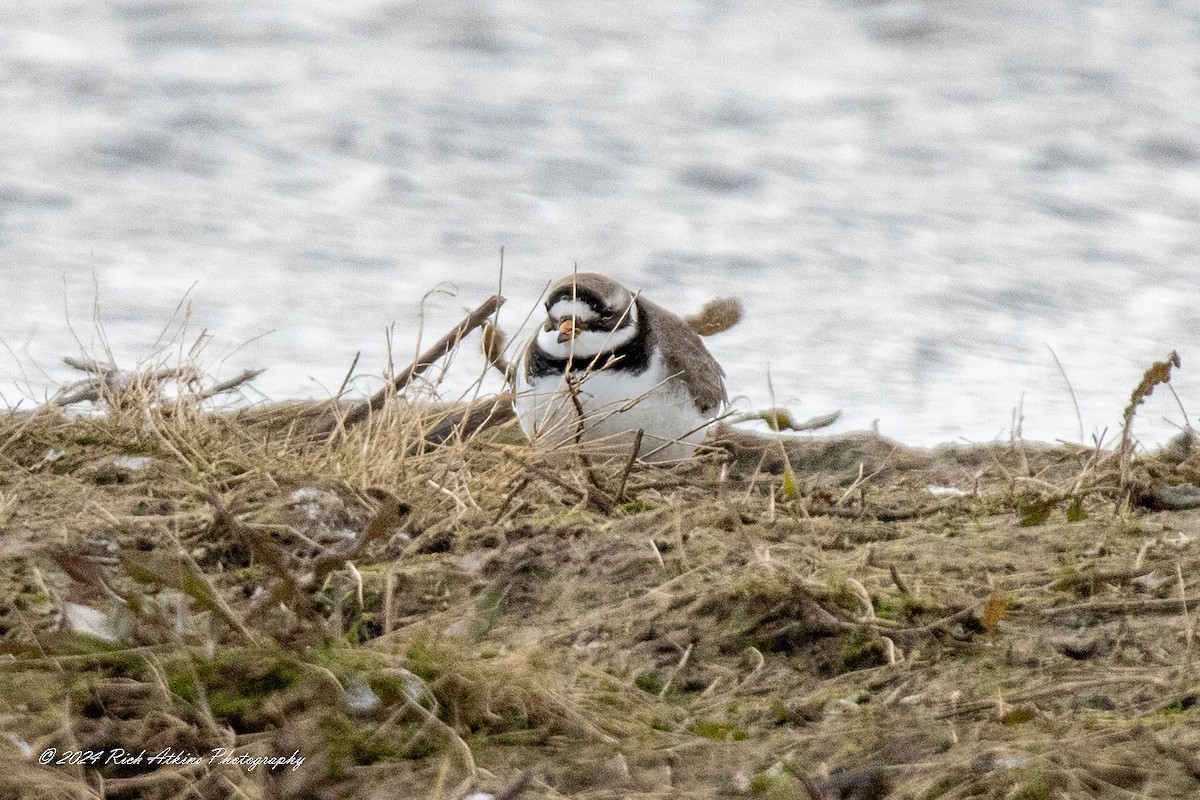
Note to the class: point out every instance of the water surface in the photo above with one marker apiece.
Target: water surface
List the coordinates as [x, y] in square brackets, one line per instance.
[915, 200]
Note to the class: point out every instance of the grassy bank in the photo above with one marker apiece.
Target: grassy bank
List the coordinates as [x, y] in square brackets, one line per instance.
[782, 618]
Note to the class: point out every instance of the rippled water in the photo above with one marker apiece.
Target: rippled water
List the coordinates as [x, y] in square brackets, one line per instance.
[913, 199]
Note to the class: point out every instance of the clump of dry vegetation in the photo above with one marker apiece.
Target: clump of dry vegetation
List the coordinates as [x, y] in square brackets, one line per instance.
[784, 617]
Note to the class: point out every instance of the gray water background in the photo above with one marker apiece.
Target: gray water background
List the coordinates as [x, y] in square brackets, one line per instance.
[913, 199]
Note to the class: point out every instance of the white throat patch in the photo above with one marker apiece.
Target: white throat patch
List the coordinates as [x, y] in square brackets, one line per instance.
[586, 344]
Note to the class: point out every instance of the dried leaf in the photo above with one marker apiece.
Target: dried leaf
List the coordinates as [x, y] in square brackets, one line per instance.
[791, 485]
[494, 341]
[1159, 372]
[386, 518]
[778, 419]
[82, 570]
[995, 610]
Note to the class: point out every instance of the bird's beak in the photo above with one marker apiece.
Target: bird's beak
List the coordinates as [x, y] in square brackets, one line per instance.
[566, 330]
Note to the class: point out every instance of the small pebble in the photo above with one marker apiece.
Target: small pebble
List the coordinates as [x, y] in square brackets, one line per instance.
[132, 463]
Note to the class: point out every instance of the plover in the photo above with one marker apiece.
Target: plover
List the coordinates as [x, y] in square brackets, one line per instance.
[608, 363]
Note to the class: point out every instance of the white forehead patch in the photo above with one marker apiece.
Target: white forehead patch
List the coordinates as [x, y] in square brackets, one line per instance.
[567, 308]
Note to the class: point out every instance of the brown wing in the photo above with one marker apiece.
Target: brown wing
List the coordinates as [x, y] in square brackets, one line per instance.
[686, 356]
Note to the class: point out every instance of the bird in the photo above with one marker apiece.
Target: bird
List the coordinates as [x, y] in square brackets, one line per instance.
[607, 363]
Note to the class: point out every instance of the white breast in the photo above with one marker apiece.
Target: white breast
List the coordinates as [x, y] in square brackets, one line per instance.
[615, 405]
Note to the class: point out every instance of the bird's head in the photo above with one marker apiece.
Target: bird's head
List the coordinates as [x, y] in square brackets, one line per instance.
[588, 311]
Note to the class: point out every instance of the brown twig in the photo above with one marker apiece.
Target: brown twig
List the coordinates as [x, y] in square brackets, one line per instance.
[780, 419]
[335, 421]
[233, 383]
[88, 365]
[465, 423]
[349, 375]
[107, 381]
[389, 602]
[637, 446]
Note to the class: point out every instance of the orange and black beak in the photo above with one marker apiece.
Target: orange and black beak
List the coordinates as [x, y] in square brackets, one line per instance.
[566, 330]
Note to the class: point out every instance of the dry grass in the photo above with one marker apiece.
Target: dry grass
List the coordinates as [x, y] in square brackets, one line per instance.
[782, 618]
